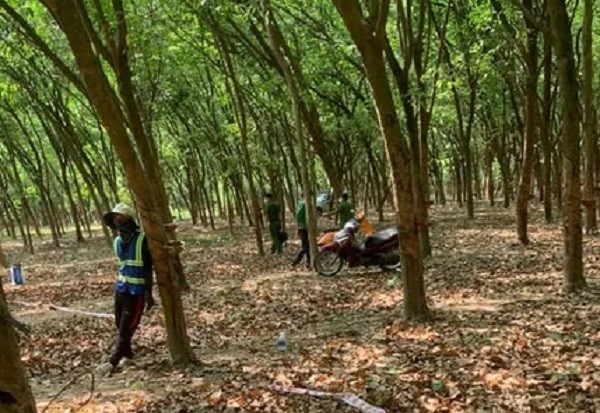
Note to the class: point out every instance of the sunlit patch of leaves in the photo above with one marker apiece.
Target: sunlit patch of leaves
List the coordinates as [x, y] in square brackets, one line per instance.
[504, 335]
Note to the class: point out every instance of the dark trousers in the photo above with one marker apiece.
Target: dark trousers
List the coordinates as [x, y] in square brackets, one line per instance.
[276, 246]
[305, 251]
[128, 313]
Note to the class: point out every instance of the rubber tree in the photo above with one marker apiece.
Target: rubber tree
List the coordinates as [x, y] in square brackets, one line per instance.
[3, 260]
[589, 119]
[240, 102]
[15, 392]
[545, 127]
[137, 156]
[257, 43]
[531, 110]
[290, 67]
[417, 104]
[368, 34]
[465, 113]
[567, 78]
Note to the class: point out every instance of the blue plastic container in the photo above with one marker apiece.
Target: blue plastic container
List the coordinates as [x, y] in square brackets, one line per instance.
[16, 275]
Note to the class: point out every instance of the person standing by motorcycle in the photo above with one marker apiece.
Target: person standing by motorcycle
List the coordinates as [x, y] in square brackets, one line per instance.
[303, 234]
[345, 210]
[273, 214]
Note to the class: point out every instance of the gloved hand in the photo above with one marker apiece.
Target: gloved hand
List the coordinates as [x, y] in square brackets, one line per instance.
[149, 301]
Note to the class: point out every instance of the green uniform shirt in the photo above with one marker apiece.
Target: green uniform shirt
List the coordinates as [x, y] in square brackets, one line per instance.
[273, 212]
[301, 215]
[345, 212]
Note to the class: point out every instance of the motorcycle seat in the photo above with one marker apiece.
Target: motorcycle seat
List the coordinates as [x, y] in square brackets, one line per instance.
[380, 237]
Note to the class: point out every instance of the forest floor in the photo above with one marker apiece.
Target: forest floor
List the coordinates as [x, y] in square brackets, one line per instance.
[504, 335]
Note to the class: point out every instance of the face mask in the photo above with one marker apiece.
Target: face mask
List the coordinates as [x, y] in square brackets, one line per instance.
[126, 230]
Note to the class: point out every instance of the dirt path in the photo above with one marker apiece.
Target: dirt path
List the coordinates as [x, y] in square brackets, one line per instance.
[504, 335]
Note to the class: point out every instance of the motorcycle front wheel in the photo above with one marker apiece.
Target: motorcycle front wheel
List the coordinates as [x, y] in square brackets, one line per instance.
[328, 263]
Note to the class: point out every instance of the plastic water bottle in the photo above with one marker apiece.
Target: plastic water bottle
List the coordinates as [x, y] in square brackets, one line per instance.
[282, 342]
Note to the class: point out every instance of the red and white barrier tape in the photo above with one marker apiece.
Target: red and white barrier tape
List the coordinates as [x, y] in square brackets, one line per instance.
[350, 399]
[64, 309]
[75, 311]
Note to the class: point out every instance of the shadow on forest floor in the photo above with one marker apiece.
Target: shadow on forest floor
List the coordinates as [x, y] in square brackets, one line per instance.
[503, 337]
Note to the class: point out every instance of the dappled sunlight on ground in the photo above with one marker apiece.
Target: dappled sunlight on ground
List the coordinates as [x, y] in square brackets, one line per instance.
[504, 335]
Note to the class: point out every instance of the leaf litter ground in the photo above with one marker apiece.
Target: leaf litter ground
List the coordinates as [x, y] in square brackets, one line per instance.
[504, 337]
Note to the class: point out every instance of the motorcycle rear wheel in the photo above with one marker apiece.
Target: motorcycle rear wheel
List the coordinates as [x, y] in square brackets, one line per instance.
[328, 263]
[392, 267]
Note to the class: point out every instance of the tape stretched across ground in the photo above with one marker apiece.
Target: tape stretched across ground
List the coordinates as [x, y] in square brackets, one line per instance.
[65, 309]
[75, 311]
[350, 399]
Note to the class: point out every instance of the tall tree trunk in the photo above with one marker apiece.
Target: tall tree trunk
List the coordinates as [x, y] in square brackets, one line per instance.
[28, 232]
[202, 205]
[477, 175]
[246, 209]
[50, 219]
[489, 164]
[25, 232]
[3, 260]
[14, 384]
[192, 190]
[458, 181]
[402, 82]
[567, 78]
[72, 205]
[365, 195]
[370, 45]
[545, 128]
[34, 220]
[241, 118]
[589, 119]
[237, 198]
[465, 145]
[440, 184]
[558, 178]
[307, 165]
[106, 103]
[539, 176]
[82, 205]
[468, 181]
[209, 207]
[531, 110]
[438, 173]
[215, 186]
[230, 208]
[15, 214]
[6, 224]
[308, 108]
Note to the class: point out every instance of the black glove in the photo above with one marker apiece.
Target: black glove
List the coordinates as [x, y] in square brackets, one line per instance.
[149, 301]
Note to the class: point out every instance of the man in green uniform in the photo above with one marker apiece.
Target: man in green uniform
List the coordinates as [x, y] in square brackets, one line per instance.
[273, 214]
[345, 210]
